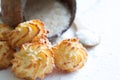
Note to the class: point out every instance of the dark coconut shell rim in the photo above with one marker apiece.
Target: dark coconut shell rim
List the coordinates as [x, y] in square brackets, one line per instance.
[72, 7]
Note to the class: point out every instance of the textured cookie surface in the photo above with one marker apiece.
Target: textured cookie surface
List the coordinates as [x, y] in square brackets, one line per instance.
[6, 55]
[29, 31]
[32, 61]
[70, 55]
[4, 30]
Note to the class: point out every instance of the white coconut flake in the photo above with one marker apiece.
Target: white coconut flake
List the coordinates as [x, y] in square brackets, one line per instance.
[54, 14]
[88, 37]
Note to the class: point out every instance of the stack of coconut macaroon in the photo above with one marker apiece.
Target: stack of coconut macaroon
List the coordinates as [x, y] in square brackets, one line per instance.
[31, 55]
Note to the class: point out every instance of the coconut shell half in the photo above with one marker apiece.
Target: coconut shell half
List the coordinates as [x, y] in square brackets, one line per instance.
[12, 11]
[31, 10]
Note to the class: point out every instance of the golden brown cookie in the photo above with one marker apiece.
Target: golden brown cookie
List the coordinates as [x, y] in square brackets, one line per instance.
[4, 30]
[32, 61]
[28, 31]
[70, 55]
[6, 55]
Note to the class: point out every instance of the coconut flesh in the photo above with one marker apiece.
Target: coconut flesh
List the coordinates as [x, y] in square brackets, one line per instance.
[53, 13]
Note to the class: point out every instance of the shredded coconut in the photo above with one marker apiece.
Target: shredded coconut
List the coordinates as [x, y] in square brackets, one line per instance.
[55, 15]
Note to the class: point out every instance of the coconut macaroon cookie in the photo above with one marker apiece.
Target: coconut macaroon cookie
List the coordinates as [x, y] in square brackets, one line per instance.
[26, 32]
[70, 55]
[33, 61]
[6, 55]
[4, 29]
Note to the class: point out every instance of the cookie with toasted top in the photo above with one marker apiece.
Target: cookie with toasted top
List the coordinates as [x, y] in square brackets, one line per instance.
[4, 30]
[6, 55]
[70, 55]
[34, 60]
[28, 31]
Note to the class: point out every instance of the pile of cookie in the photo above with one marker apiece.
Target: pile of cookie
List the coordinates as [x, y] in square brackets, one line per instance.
[31, 55]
